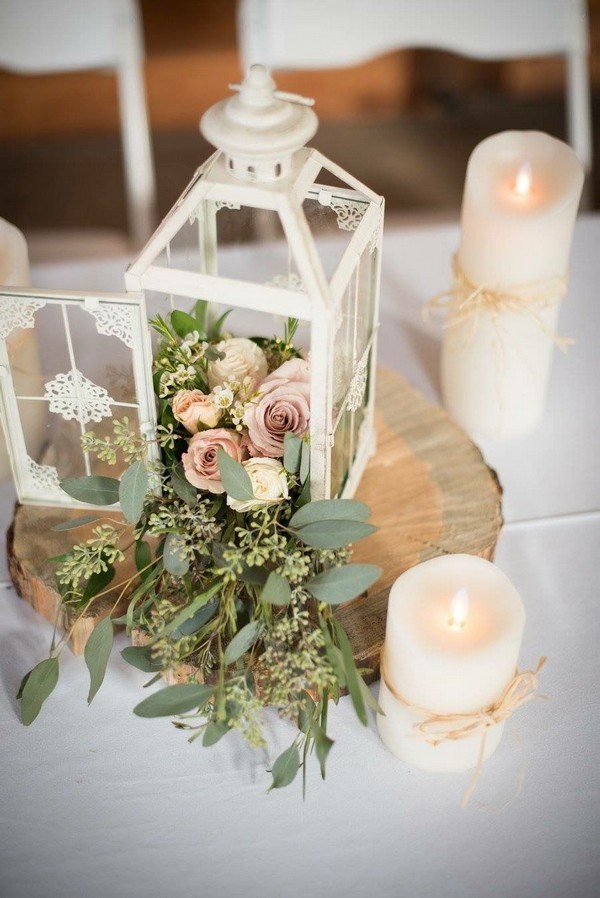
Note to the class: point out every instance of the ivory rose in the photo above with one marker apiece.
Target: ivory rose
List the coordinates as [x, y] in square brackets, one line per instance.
[269, 484]
[200, 463]
[243, 358]
[193, 407]
[283, 407]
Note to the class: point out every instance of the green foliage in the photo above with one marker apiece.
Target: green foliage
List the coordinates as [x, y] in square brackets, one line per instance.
[173, 700]
[243, 640]
[94, 490]
[132, 491]
[140, 656]
[276, 590]
[330, 510]
[36, 687]
[292, 452]
[182, 487]
[340, 584]
[333, 534]
[234, 477]
[286, 767]
[183, 324]
[74, 523]
[174, 558]
[97, 652]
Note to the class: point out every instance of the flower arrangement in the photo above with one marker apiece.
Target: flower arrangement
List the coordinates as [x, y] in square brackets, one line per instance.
[237, 572]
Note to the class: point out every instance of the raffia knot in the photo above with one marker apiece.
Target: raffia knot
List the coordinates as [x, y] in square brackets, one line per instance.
[438, 728]
[464, 300]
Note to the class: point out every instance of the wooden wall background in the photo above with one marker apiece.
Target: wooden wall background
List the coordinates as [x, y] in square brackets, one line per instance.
[191, 55]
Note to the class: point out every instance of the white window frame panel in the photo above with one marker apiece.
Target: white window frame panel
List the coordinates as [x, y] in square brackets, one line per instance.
[137, 338]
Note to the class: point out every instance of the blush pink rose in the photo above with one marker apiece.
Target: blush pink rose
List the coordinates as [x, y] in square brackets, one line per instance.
[283, 406]
[200, 463]
[193, 407]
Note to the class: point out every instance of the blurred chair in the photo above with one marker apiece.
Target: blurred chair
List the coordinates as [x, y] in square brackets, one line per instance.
[69, 35]
[320, 34]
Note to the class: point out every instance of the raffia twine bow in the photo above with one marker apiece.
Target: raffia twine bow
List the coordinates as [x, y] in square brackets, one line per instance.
[465, 300]
[438, 728]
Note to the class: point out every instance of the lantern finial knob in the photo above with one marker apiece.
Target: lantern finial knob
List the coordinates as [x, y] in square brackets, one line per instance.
[260, 128]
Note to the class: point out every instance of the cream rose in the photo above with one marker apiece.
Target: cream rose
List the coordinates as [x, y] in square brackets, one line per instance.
[283, 407]
[200, 463]
[243, 358]
[269, 484]
[193, 407]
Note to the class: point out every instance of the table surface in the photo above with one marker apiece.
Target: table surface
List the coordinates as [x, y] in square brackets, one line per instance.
[97, 802]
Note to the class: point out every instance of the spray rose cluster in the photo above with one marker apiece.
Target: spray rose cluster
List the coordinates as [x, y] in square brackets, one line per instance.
[247, 413]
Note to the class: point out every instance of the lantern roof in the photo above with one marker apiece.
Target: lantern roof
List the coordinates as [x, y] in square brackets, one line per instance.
[259, 128]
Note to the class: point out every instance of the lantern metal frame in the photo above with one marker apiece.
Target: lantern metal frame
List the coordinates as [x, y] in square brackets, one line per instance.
[360, 211]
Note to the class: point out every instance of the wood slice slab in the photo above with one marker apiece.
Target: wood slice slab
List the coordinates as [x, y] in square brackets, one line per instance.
[428, 486]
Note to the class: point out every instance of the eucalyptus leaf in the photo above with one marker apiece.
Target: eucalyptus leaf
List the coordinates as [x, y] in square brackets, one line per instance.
[256, 575]
[36, 688]
[330, 510]
[143, 558]
[304, 497]
[333, 653]
[213, 732]
[368, 697]
[197, 620]
[98, 583]
[174, 700]
[172, 560]
[353, 677]
[22, 686]
[75, 522]
[182, 487]
[139, 656]
[340, 584]
[97, 652]
[333, 534]
[323, 745]
[304, 461]
[292, 451]
[132, 491]
[234, 477]
[94, 490]
[285, 767]
[306, 713]
[242, 641]
[187, 612]
[276, 590]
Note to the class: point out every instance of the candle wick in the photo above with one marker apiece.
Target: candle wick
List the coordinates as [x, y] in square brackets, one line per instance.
[456, 624]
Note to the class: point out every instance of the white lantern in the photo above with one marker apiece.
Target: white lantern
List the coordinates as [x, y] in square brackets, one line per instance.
[258, 229]
[266, 227]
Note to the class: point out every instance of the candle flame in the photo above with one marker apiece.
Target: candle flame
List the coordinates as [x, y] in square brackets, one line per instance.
[523, 180]
[459, 609]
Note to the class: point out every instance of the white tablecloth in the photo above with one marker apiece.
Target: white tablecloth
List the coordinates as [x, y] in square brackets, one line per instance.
[96, 802]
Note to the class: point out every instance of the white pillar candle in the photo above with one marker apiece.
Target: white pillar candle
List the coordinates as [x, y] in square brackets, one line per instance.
[453, 633]
[22, 347]
[520, 201]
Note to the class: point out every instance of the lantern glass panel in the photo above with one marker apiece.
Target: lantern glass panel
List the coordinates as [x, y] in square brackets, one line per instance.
[92, 364]
[333, 211]
[252, 246]
[183, 251]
